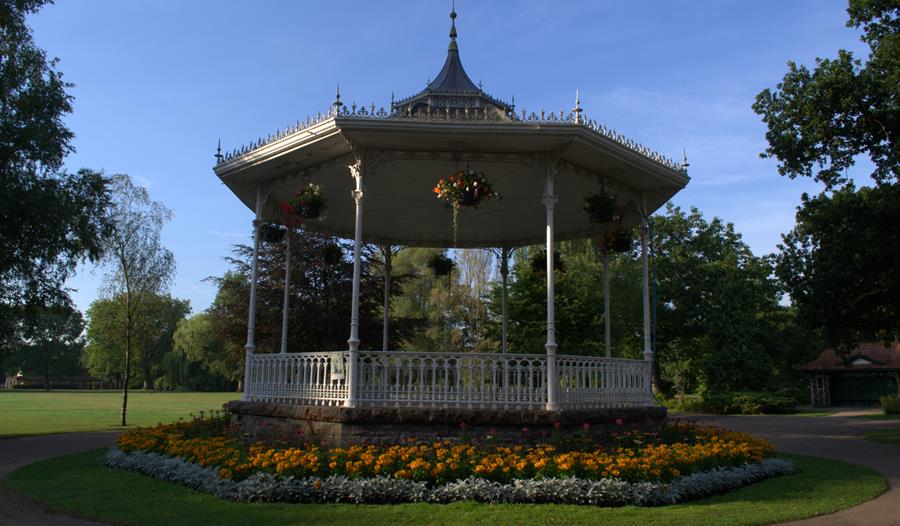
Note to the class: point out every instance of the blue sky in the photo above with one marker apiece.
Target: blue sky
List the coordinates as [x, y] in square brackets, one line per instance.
[158, 83]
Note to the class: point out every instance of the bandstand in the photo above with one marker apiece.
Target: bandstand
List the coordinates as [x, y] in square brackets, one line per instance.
[377, 169]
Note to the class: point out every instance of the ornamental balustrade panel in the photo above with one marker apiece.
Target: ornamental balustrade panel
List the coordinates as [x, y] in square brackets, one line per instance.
[407, 379]
[587, 381]
[308, 378]
[452, 379]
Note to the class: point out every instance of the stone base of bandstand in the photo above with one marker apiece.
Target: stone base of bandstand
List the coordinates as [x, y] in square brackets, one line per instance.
[342, 426]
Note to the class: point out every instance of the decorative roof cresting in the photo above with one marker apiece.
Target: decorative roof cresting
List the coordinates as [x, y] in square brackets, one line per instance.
[452, 96]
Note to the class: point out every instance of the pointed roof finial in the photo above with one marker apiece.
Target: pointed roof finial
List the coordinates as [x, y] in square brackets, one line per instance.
[453, 46]
[684, 162]
[336, 105]
[577, 109]
[218, 154]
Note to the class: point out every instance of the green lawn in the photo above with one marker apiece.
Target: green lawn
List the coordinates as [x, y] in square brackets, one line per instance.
[40, 413]
[888, 436]
[80, 484]
[876, 416]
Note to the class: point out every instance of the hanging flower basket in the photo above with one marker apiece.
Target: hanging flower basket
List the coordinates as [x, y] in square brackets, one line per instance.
[308, 203]
[441, 265]
[272, 233]
[539, 262]
[601, 207]
[616, 241]
[465, 188]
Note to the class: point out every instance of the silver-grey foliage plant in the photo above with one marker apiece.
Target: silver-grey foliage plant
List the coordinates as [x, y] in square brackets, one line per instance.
[266, 487]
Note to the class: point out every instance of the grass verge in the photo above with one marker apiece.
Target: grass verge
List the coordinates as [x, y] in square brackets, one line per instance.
[876, 416]
[888, 436]
[79, 484]
[40, 413]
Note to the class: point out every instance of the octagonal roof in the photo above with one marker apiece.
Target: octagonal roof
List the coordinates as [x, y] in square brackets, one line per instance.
[447, 127]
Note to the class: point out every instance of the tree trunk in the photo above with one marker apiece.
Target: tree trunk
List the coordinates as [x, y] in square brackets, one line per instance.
[127, 357]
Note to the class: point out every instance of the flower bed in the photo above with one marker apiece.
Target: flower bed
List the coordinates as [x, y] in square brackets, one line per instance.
[636, 466]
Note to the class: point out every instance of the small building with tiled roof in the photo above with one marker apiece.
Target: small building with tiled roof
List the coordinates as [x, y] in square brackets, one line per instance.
[857, 378]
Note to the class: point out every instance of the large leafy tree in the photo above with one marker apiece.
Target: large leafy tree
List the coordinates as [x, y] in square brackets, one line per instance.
[823, 119]
[49, 343]
[152, 337]
[839, 264]
[197, 347]
[49, 219]
[319, 314]
[719, 324]
[139, 267]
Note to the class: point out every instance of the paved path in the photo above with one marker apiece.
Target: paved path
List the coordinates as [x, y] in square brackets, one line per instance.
[834, 437]
[839, 438]
[16, 510]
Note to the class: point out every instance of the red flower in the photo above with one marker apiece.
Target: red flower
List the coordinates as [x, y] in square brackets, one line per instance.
[618, 421]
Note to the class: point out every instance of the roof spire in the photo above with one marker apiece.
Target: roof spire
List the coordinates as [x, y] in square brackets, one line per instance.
[577, 109]
[336, 105]
[452, 46]
[684, 162]
[218, 154]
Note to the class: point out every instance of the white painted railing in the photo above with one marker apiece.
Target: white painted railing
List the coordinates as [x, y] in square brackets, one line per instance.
[406, 379]
[296, 377]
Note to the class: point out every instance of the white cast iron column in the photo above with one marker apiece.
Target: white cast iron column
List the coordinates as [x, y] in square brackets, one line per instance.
[250, 347]
[606, 323]
[287, 290]
[385, 337]
[357, 171]
[552, 376]
[504, 277]
[648, 351]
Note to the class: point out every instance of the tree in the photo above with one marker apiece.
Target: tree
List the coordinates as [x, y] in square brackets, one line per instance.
[50, 343]
[196, 342]
[152, 337]
[319, 313]
[839, 265]
[842, 109]
[578, 301]
[139, 266]
[49, 219]
[719, 326]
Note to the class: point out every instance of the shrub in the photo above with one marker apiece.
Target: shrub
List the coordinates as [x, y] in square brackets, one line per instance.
[748, 403]
[690, 404]
[890, 404]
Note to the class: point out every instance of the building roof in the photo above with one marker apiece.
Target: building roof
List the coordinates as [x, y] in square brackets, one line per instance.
[870, 356]
[452, 88]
